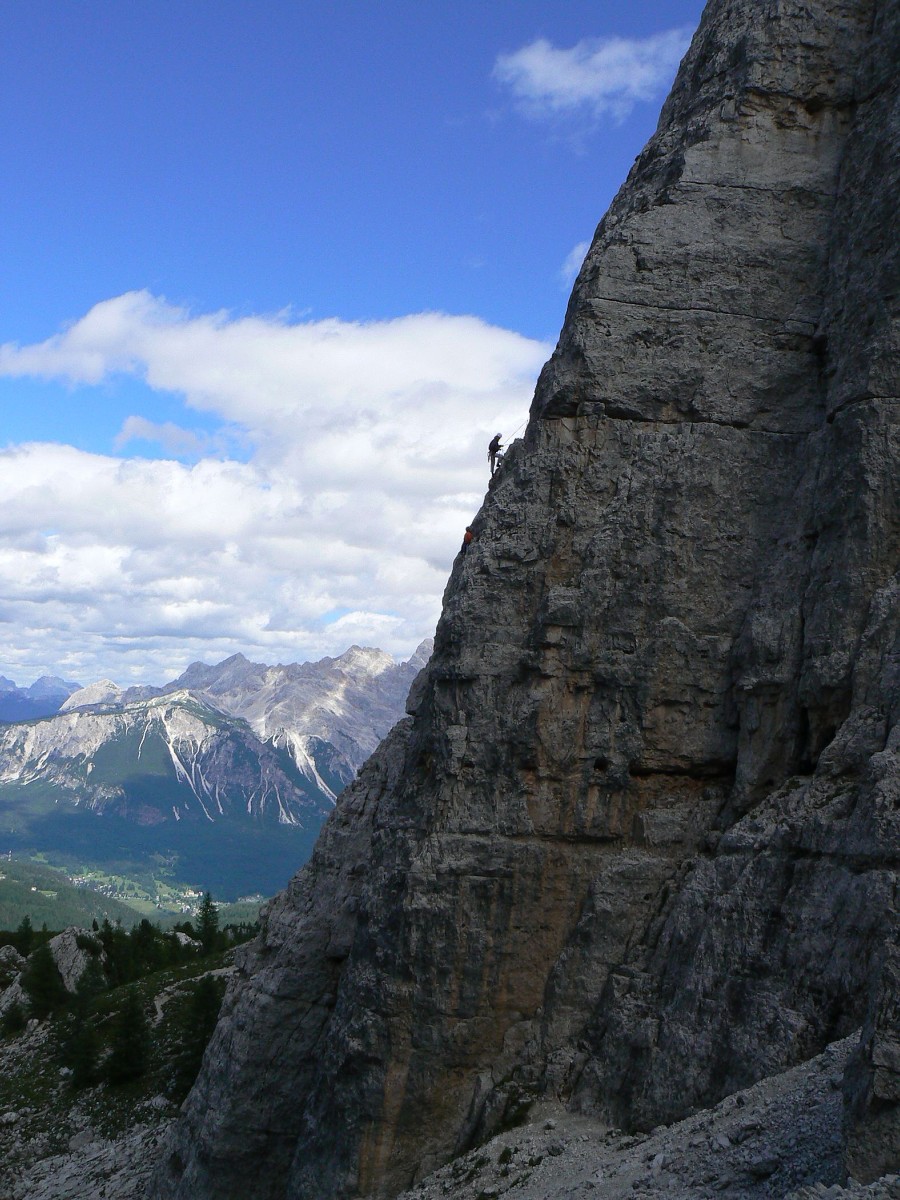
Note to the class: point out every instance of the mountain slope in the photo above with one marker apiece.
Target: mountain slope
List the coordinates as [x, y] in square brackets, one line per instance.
[169, 758]
[170, 780]
[178, 774]
[350, 701]
[47, 897]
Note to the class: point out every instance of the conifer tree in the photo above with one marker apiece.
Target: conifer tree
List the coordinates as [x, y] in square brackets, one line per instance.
[90, 983]
[79, 1041]
[173, 949]
[24, 940]
[120, 965]
[130, 1041]
[14, 1020]
[84, 1054]
[147, 948]
[197, 1025]
[207, 923]
[43, 983]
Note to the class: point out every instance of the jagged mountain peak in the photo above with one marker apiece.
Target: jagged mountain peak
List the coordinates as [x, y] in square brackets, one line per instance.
[50, 686]
[41, 699]
[235, 671]
[364, 660]
[422, 653]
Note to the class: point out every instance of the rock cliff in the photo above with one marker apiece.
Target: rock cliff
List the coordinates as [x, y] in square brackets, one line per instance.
[637, 844]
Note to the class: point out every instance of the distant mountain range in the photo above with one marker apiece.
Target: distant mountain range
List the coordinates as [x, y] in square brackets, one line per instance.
[222, 777]
[43, 698]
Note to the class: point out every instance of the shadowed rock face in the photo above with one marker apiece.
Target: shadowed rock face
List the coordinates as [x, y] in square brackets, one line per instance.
[638, 842]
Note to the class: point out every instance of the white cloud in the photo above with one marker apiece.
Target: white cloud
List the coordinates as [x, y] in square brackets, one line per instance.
[570, 268]
[596, 76]
[366, 459]
[171, 437]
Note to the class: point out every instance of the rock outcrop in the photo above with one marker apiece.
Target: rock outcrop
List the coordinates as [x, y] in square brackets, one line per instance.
[73, 951]
[11, 959]
[12, 964]
[637, 845]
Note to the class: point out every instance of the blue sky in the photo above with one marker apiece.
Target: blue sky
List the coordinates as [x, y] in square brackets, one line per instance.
[273, 272]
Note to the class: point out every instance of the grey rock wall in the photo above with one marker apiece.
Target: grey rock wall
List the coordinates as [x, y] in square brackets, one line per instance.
[637, 846]
[872, 1080]
[71, 960]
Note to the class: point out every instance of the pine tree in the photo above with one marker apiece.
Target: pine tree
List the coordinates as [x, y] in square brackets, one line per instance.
[24, 940]
[146, 947]
[207, 924]
[78, 1044]
[130, 1041]
[90, 983]
[43, 983]
[197, 1024]
[84, 1054]
[78, 1039]
[119, 966]
[173, 949]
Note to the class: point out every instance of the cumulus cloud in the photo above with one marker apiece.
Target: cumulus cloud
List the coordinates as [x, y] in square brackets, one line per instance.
[595, 77]
[365, 460]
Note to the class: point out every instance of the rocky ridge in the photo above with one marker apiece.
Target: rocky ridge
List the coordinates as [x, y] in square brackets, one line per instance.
[636, 847]
[760, 1142]
[218, 752]
[350, 701]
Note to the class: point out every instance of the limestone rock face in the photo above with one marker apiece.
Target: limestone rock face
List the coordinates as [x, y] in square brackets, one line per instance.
[12, 965]
[872, 1081]
[637, 845]
[11, 959]
[71, 959]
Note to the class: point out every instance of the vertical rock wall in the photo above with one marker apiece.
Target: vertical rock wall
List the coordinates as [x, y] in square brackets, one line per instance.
[764, 953]
[637, 841]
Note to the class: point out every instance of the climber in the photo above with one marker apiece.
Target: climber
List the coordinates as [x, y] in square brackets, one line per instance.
[468, 538]
[494, 452]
